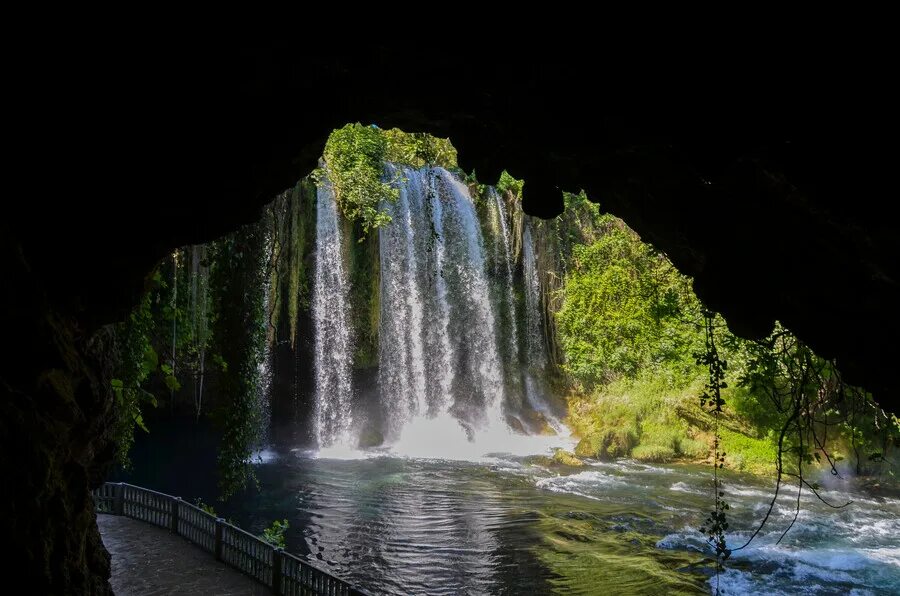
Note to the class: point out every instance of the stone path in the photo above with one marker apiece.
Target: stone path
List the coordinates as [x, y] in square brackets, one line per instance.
[149, 561]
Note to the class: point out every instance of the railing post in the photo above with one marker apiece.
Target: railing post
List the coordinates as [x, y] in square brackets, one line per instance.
[119, 507]
[174, 517]
[218, 548]
[277, 561]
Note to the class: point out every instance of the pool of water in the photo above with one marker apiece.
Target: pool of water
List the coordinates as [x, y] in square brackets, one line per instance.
[508, 525]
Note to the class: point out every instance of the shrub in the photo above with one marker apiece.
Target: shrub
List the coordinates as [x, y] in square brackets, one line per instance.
[693, 448]
[274, 534]
[653, 453]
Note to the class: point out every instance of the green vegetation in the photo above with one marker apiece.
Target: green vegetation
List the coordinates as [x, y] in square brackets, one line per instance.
[749, 454]
[294, 243]
[623, 328]
[631, 330]
[274, 534]
[202, 322]
[623, 311]
[419, 149]
[364, 273]
[354, 160]
[135, 361]
[354, 163]
[239, 334]
[508, 184]
[206, 508]
[563, 457]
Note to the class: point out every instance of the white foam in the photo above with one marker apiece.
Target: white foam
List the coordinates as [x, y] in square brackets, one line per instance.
[749, 492]
[264, 456]
[737, 582]
[576, 484]
[889, 555]
[444, 438]
[687, 538]
[683, 487]
[341, 452]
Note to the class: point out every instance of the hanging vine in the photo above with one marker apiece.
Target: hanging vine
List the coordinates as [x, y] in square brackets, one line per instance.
[808, 397]
[711, 399]
[236, 278]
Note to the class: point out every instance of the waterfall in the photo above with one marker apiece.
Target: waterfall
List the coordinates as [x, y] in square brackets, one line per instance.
[333, 344]
[438, 332]
[536, 351]
[471, 297]
[506, 266]
[535, 346]
[264, 368]
[438, 350]
[401, 350]
[199, 323]
[442, 381]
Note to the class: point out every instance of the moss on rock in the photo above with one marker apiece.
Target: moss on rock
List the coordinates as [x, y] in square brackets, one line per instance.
[566, 458]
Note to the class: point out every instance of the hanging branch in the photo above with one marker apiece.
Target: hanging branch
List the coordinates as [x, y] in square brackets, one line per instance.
[803, 375]
[174, 322]
[717, 522]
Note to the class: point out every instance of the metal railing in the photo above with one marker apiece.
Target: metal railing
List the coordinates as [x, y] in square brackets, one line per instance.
[285, 573]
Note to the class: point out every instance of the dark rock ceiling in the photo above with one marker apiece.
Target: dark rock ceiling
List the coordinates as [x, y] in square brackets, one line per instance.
[764, 174]
[752, 171]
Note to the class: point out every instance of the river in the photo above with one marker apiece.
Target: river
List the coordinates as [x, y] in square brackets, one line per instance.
[508, 525]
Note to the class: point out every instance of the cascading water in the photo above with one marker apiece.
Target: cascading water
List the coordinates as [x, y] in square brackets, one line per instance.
[535, 351]
[470, 303]
[264, 368]
[443, 380]
[401, 342]
[199, 320]
[441, 372]
[535, 346]
[333, 353]
[438, 352]
[506, 264]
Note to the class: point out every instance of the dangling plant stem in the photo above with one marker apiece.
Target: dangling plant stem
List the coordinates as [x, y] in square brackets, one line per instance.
[711, 398]
[174, 323]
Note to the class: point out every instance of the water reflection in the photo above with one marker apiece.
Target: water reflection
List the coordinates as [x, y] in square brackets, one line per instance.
[506, 526]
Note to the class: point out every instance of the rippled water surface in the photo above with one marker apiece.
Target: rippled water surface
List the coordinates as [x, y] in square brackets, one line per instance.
[508, 525]
[501, 525]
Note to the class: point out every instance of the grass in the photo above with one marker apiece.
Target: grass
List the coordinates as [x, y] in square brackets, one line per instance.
[651, 419]
[653, 453]
[748, 454]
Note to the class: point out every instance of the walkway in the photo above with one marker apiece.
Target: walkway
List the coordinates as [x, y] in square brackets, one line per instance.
[149, 561]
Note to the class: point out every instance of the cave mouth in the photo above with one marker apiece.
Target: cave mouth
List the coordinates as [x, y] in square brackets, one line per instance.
[753, 180]
[410, 340]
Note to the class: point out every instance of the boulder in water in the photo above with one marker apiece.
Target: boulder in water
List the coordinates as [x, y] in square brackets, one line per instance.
[588, 446]
[537, 423]
[566, 458]
[516, 425]
[370, 437]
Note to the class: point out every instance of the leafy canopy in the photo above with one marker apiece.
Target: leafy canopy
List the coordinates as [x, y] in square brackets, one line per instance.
[623, 309]
[353, 163]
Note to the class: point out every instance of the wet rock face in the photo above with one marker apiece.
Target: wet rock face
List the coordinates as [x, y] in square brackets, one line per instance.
[754, 179]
